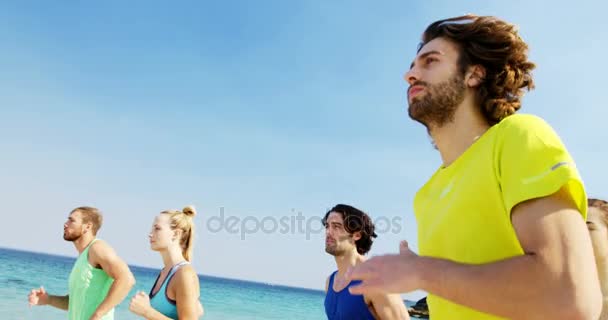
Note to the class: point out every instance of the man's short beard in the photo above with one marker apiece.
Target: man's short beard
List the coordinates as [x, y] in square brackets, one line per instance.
[334, 252]
[71, 238]
[438, 104]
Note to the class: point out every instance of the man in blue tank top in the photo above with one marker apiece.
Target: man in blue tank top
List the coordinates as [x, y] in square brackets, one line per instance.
[349, 234]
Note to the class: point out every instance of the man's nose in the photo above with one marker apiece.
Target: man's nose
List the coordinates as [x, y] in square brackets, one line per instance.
[411, 76]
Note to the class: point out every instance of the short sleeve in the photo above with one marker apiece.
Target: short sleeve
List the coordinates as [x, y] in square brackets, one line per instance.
[532, 162]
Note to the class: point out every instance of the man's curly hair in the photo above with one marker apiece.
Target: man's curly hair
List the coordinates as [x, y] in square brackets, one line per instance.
[356, 220]
[495, 45]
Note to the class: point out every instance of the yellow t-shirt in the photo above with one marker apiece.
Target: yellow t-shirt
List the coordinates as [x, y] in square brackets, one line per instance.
[464, 210]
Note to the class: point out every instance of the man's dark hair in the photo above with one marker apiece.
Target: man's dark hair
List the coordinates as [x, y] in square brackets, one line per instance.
[356, 220]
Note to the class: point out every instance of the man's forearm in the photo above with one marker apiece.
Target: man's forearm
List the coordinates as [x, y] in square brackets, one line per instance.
[118, 291]
[519, 287]
[59, 302]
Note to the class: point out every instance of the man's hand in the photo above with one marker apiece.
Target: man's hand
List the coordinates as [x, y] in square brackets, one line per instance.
[38, 297]
[393, 273]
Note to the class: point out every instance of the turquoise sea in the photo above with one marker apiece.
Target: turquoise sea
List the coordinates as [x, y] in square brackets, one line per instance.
[21, 271]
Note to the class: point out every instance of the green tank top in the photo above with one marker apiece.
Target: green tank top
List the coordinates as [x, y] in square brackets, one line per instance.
[88, 286]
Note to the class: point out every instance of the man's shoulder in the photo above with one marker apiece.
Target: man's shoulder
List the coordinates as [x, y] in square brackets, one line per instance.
[522, 123]
[99, 245]
[331, 274]
[328, 279]
[526, 132]
[101, 250]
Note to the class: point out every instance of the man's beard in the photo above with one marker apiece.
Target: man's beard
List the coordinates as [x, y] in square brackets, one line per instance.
[72, 237]
[438, 102]
[334, 250]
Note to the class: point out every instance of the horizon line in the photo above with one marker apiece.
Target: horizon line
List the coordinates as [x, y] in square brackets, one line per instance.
[276, 285]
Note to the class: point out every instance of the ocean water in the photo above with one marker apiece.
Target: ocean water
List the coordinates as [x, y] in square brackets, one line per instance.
[21, 271]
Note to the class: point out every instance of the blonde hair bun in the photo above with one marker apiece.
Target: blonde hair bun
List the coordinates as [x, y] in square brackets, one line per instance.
[189, 211]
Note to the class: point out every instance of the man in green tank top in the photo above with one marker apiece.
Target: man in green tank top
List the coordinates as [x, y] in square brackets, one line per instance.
[99, 280]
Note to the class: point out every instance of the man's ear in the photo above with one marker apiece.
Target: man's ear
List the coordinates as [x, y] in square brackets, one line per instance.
[88, 227]
[475, 76]
[356, 235]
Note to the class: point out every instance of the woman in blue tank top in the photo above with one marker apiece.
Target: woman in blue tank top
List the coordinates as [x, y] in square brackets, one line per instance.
[175, 293]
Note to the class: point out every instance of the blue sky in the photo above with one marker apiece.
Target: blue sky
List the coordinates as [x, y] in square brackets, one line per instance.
[264, 109]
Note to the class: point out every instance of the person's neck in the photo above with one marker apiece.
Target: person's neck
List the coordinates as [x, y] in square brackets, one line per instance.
[347, 260]
[454, 138]
[83, 242]
[171, 256]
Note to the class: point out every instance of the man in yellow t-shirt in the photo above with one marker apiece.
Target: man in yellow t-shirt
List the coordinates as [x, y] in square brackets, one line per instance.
[501, 224]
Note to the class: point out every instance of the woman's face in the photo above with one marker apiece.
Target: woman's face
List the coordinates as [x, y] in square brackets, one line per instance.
[161, 235]
[598, 232]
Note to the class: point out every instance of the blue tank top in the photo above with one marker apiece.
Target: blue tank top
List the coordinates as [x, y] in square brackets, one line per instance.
[161, 302]
[343, 305]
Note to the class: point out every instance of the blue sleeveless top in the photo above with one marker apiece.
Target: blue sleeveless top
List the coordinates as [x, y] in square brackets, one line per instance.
[161, 302]
[343, 305]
